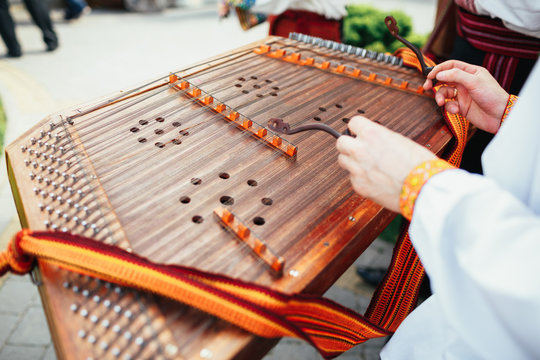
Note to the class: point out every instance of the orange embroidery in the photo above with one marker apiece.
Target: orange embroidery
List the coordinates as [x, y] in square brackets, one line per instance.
[415, 180]
[512, 99]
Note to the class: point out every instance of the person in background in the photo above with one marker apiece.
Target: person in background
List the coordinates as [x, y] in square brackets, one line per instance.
[39, 12]
[75, 9]
[320, 18]
[478, 236]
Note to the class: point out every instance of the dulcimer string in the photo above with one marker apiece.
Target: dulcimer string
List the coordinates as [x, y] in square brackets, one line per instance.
[153, 106]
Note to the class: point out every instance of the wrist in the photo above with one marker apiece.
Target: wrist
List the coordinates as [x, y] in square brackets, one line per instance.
[414, 182]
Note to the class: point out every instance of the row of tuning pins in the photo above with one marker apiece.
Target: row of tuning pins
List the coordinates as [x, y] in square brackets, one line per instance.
[48, 152]
[115, 315]
[345, 48]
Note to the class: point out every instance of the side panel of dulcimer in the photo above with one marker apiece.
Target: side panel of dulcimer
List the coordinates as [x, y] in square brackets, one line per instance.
[185, 170]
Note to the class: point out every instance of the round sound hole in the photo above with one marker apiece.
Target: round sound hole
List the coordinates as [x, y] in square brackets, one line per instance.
[197, 219]
[185, 200]
[257, 220]
[226, 200]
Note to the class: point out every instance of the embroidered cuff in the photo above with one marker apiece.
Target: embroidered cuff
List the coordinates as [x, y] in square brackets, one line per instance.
[415, 180]
[512, 99]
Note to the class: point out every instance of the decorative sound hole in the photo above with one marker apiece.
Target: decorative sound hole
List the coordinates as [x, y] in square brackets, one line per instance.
[257, 86]
[185, 200]
[224, 175]
[196, 181]
[254, 77]
[184, 132]
[317, 118]
[346, 120]
[275, 88]
[322, 108]
[268, 81]
[160, 145]
[273, 94]
[360, 111]
[252, 182]
[257, 220]
[143, 122]
[134, 129]
[260, 95]
[238, 85]
[197, 219]
[241, 79]
[245, 92]
[339, 106]
[160, 119]
[158, 131]
[176, 124]
[141, 140]
[267, 201]
[226, 200]
[176, 142]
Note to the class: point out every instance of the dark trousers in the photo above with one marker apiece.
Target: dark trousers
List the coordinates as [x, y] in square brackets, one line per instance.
[39, 12]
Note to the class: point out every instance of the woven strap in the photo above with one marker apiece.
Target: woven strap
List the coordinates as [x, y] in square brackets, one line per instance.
[397, 294]
[328, 326]
[503, 47]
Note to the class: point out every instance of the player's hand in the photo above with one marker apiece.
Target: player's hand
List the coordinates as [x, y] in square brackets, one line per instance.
[379, 160]
[470, 91]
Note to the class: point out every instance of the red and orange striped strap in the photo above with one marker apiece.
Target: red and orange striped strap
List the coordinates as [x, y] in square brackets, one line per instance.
[397, 294]
[328, 326]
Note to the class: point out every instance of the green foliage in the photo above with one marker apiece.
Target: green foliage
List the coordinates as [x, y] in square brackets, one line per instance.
[2, 126]
[391, 233]
[364, 27]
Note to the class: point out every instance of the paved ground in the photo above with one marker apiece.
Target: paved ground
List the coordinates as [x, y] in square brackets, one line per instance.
[109, 51]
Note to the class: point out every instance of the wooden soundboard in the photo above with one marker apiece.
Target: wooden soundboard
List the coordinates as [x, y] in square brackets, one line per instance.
[153, 170]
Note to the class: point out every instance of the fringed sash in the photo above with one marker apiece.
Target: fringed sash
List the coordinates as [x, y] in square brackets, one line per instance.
[331, 328]
[503, 47]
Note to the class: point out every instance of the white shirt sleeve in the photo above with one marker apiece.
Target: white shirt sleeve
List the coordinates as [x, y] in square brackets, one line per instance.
[522, 16]
[331, 9]
[480, 247]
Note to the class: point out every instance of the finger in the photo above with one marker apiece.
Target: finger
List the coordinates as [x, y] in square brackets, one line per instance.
[452, 107]
[348, 163]
[445, 92]
[428, 84]
[458, 76]
[346, 144]
[451, 64]
[357, 124]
